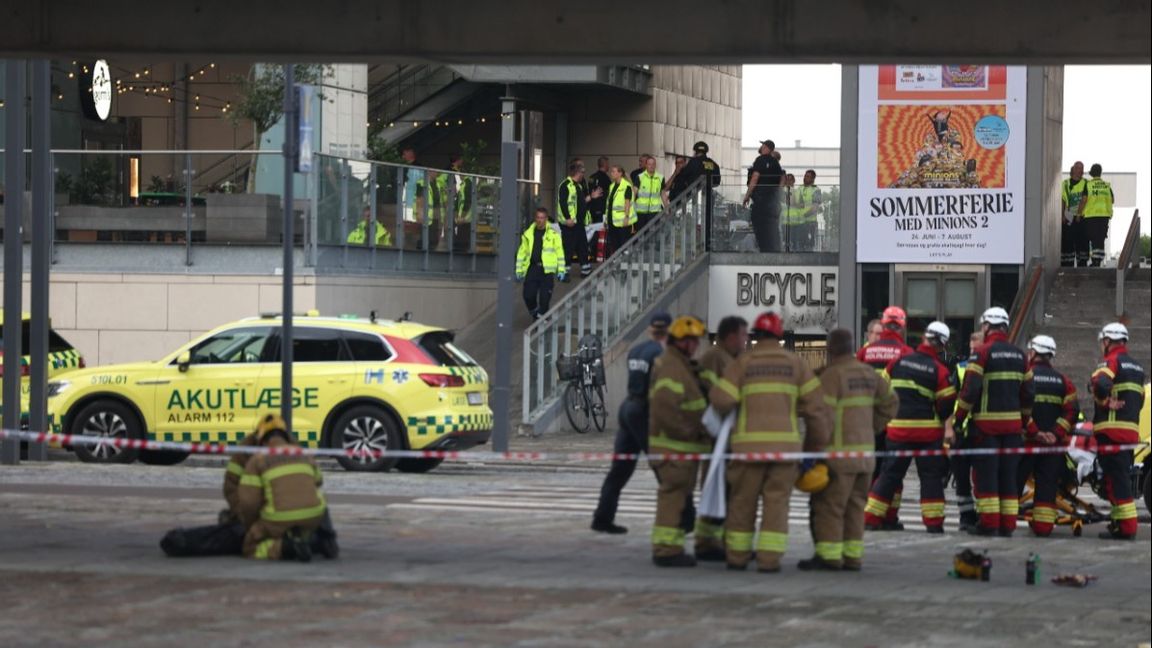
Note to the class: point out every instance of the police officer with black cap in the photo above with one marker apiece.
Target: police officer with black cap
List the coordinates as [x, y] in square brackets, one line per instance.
[700, 165]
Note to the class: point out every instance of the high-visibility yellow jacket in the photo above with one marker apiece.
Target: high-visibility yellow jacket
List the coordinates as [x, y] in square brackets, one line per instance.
[1098, 203]
[359, 235]
[806, 198]
[617, 197]
[551, 254]
[649, 192]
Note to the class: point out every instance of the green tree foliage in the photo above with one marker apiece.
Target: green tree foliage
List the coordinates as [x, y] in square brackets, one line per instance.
[261, 99]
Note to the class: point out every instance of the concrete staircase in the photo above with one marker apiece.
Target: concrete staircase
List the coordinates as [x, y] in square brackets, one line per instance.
[478, 339]
[1083, 300]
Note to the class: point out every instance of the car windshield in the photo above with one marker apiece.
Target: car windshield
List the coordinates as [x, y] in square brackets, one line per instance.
[56, 343]
[238, 345]
[438, 344]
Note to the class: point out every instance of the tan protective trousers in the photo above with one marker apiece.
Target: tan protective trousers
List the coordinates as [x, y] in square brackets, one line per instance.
[750, 483]
[677, 480]
[838, 517]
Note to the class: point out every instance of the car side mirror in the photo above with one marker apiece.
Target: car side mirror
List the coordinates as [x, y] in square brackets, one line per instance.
[183, 361]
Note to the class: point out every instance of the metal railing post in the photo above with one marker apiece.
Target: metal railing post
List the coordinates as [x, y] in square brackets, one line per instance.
[374, 222]
[188, 214]
[400, 243]
[343, 213]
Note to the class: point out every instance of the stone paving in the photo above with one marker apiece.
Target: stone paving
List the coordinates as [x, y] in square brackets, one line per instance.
[80, 566]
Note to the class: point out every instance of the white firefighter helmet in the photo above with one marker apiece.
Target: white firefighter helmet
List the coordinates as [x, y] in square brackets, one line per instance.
[1114, 331]
[938, 331]
[995, 316]
[1043, 344]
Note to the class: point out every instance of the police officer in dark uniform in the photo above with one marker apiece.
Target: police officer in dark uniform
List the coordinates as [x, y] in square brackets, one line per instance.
[700, 165]
[632, 435]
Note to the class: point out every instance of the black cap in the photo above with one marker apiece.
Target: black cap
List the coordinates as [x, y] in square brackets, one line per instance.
[660, 320]
[768, 143]
[699, 147]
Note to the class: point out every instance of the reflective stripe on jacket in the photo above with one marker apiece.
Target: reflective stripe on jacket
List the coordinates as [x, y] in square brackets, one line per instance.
[773, 388]
[676, 406]
[617, 197]
[713, 363]
[1119, 376]
[997, 390]
[860, 404]
[551, 253]
[1055, 406]
[280, 489]
[927, 396]
[649, 192]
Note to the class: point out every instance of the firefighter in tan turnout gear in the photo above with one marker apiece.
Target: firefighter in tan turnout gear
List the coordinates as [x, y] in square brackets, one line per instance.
[772, 387]
[860, 402]
[676, 403]
[279, 499]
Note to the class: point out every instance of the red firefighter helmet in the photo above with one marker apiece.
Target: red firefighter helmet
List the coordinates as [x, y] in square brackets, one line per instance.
[769, 323]
[894, 315]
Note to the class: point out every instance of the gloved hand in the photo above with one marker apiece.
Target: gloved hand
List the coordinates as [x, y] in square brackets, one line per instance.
[519, 277]
[563, 277]
[806, 465]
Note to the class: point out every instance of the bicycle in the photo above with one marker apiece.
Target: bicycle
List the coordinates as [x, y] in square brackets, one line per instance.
[584, 396]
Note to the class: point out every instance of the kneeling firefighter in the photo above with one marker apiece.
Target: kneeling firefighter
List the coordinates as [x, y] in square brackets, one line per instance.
[226, 538]
[279, 499]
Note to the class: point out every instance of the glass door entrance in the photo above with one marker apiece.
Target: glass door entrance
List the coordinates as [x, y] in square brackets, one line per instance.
[952, 297]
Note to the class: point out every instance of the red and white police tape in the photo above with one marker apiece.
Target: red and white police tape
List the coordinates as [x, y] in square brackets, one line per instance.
[221, 449]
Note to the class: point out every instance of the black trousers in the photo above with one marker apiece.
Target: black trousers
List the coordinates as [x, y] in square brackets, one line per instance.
[1067, 244]
[961, 466]
[617, 237]
[1096, 230]
[631, 438]
[537, 291]
[997, 497]
[1080, 246]
[643, 218]
[575, 240]
[766, 223]
[931, 471]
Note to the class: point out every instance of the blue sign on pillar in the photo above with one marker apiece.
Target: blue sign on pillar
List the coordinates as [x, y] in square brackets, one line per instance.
[304, 95]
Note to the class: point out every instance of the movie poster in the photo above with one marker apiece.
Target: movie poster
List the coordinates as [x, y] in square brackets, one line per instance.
[941, 164]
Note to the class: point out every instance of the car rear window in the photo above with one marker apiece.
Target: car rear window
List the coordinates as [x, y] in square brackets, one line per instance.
[56, 343]
[438, 344]
[366, 347]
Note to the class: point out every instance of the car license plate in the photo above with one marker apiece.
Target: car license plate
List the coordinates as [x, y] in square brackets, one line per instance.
[475, 398]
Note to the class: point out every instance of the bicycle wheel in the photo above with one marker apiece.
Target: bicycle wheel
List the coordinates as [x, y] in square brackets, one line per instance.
[576, 408]
[597, 406]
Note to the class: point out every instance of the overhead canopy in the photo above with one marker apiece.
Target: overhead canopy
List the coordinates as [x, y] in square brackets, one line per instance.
[673, 31]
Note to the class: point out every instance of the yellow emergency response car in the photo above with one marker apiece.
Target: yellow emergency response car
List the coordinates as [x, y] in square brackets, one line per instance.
[358, 384]
[62, 357]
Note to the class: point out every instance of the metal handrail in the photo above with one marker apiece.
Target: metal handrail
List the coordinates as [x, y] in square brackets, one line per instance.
[609, 300]
[1024, 306]
[1124, 263]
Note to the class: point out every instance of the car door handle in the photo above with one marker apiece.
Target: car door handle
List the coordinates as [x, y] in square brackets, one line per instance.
[337, 381]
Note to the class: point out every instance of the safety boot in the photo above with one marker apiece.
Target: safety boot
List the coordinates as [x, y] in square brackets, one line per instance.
[678, 560]
[296, 545]
[711, 555]
[1113, 533]
[600, 526]
[816, 563]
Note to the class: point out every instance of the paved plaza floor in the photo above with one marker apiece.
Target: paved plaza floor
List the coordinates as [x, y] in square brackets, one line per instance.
[484, 554]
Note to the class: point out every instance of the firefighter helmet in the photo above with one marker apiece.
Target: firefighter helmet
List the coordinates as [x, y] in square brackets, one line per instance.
[894, 315]
[1114, 331]
[270, 424]
[1043, 344]
[813, 480]
[687, 326]
[995, 316]
[938, 331]
[769, 323]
